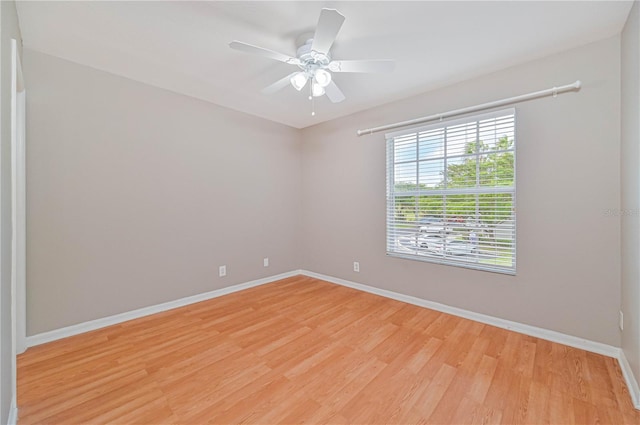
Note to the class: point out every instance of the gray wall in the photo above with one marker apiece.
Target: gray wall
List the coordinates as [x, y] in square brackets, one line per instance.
[136, 195]
[9, 29]
[630, 179]
[568, 157]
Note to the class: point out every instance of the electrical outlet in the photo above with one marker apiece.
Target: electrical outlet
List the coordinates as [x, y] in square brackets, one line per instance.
[356, 266]
[222, 271]
[265, 261]
[621, 318]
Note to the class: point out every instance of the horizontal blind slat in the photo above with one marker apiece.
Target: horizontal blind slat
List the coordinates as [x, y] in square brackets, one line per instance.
[451, 194]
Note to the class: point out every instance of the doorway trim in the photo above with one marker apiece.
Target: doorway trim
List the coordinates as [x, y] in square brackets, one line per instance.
[18, 220]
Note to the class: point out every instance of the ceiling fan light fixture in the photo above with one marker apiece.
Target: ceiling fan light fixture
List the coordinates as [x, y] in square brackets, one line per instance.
[314, 61]
[299, 80]
[317, 89]
[322, 77]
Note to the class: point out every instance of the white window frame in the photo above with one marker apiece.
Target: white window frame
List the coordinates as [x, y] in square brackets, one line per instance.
[392, 240]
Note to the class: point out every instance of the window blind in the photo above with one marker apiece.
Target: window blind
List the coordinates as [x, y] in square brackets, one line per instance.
[451, 192]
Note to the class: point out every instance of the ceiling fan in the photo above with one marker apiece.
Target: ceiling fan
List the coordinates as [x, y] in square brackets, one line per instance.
[314, 60]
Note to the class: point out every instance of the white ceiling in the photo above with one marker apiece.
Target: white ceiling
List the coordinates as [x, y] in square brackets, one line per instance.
[183, 46]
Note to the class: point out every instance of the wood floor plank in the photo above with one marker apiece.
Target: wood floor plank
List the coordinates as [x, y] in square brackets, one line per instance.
[301, 350]
[432, 393]
[471, 412]
[55, 402]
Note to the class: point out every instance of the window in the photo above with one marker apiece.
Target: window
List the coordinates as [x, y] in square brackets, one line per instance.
[451, 193]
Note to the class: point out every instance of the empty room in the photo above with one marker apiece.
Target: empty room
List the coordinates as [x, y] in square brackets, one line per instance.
[345, 212]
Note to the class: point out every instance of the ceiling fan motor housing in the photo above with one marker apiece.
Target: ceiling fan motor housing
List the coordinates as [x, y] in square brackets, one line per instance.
[310, 60]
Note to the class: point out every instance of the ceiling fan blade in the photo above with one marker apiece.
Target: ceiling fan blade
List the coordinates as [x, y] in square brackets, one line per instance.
[249, 48]
[382, 65]
[278, 85]
[334, 93]
[329, 24]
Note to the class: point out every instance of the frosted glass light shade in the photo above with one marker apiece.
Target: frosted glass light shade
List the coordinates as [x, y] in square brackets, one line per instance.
[317, 89]
[299, 80]
[323, 78]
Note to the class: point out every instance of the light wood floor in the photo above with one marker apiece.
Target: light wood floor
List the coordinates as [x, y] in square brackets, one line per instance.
[306, 351]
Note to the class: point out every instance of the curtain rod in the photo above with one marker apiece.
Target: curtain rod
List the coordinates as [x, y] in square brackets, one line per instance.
[508, 101]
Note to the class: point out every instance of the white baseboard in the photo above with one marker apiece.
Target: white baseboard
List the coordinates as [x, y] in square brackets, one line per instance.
[632, 384]
[572, 341]
[13, 412]
[68, 331]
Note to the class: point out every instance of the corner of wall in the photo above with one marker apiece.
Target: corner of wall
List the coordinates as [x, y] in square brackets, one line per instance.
[630, 202]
